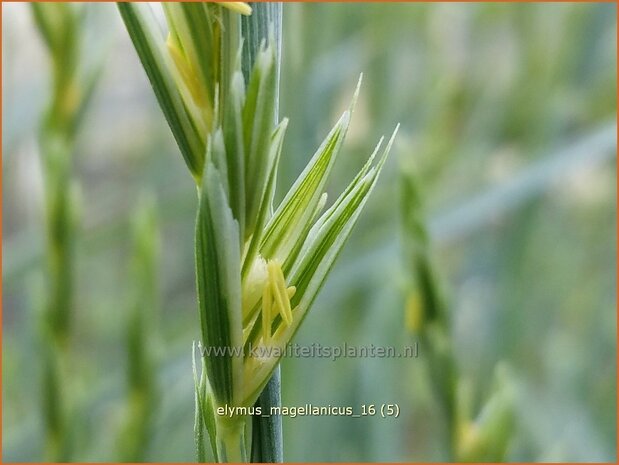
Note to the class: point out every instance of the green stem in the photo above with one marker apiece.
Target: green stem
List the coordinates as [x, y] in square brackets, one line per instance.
[59, 28]
[60, 222]
[266, 445]
[56, 437]
[266, 19]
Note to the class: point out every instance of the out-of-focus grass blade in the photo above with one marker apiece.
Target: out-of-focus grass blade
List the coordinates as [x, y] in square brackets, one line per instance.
[487, 439]
[57, 24]
[432, 305]
[133, 440]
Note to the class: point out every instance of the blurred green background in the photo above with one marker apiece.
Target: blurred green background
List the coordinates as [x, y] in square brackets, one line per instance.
[508, 117]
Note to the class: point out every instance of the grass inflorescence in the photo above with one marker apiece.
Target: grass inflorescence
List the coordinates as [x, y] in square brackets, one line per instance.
[258, 268]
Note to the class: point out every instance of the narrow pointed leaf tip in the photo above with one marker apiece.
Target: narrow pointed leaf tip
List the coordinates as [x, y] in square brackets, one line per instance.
[289, 225]
[355, 95]
[288, 228]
